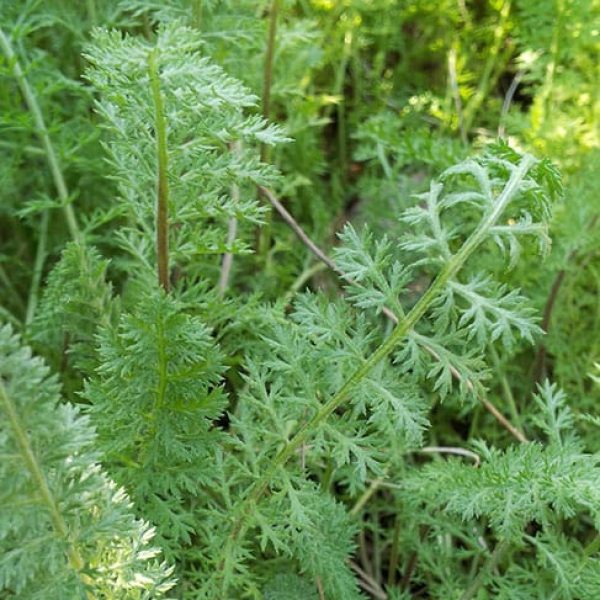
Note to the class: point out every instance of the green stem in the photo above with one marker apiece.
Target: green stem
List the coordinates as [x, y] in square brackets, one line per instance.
[305, 276]
[485, 82]
[455, 91]
[163, 365]
[38, 267]
[451, 268]
[42, 132]
[197, 13]
[91, 11]
[265, 232]
[508, 395]
[12, 290]
[268, 72]
[368, 493]
[341, 106]
[592, 547]
[547, 87]
[34, 468]
[393, 564]
[491, 564]
[162, 194]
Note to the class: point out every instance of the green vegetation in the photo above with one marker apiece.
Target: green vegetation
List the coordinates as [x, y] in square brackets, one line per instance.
[299, 299]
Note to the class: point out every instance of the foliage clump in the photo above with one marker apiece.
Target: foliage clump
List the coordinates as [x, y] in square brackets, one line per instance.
[311, 294]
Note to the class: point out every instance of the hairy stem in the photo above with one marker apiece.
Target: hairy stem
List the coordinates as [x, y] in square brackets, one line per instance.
[162, 195]
[325, 259]
[31, 463]
[451, 268]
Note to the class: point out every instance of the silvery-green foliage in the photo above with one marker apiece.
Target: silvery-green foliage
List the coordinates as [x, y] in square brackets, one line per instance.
[312, 354]
[300, 449]
[472, 310]
[523, 494]
[153, 401]
[66, 530]
[77, 298]
[289, 586]
[206, 113]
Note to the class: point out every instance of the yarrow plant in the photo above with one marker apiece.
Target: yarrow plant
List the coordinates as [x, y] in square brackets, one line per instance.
[191, 407]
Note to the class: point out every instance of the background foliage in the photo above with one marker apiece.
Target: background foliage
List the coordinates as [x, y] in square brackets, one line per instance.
[406, 410]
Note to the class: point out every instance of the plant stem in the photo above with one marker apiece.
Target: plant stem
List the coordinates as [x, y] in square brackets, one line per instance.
[265, 232]
[31, 463]
[341, 105]
[42, 132]
[539, 363]
[268, 72]
[393, 563]
[452, 450]
[287, 217]
[228, 256]
[519, 435]
[38, 267]
[12, 289]
[451, 268]
[303, 278]
[455, 90]
[592, 547]
[508, 98]
[367, 494]
[91, 11]
[486, 81]
[231, 234]
[162, 212]
[547, 87]
[491, 563]
[197, 13]
[508, 395]
[322, 256]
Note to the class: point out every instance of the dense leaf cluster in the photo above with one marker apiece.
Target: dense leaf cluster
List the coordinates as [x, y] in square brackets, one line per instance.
[192, 406]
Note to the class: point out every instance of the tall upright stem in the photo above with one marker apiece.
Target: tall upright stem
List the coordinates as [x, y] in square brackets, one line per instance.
[162, 187]
[486, 80]
[452, 267]
[19, 431]
[42, 132]
[268, 71]
[55, 169]
[38, 267]
[264, 240]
